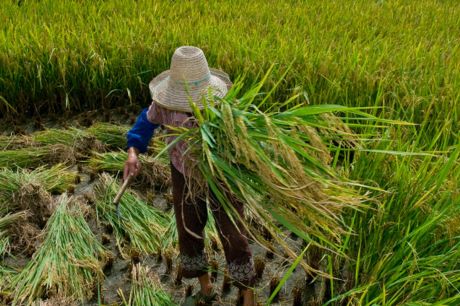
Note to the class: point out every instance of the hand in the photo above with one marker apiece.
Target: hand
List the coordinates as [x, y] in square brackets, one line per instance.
[132, 164]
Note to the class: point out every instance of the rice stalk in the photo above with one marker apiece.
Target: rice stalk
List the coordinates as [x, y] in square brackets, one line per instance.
[154, 172]
[17, 185]
[58, 136]
[81, 142]
[146, 289]
[68, 263]
[5, 224]
[142, 225]
[277, 164]
[15, 142]
[111, 135]
[36, 156]
[6, 275]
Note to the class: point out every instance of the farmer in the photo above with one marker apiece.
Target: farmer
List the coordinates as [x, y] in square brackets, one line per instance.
[190, 77]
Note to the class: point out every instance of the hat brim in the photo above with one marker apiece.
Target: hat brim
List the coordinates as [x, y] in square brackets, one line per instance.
[179, 100]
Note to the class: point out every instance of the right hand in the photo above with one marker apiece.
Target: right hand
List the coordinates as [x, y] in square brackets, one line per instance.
[132, 164]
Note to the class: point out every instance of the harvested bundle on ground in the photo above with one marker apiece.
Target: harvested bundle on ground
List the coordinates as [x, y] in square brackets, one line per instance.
[36, 156]
[81, 142]
[142, 225]
[146, 289]
[6, 276]
[69, 261]
[28, 189]
[111, 135]
[5, 227]
[6, 273]
[15, 142]
[272, 161]
[58, 136]
[154, 172]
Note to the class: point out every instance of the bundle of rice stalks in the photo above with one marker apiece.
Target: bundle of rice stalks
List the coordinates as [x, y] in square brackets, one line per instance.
[15, 142]
[276, 163]
[68, 263]
[35, 156]
[154, 172]
[111, 135]
[5, 224]
[146, 289]
[6, 273]
[22, 190]
[81, 142]
[6, 276]
[26, 189]
[58, 136]
[142, 225]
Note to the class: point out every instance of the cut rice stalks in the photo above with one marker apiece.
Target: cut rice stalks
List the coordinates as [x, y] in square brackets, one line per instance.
[154, 172]
[146, 289]
[68, 263]
[30, 191]
[111, 135]
[23, 188]
[142, 225]
[81, 142]
[273, 162]
[15, 142]
[36, 156]
[5, 224]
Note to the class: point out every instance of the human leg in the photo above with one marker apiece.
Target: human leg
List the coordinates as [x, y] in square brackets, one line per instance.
[236, 247]
[191, 219]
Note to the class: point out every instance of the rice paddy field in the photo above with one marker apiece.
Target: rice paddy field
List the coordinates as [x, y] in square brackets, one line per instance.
[361, 97]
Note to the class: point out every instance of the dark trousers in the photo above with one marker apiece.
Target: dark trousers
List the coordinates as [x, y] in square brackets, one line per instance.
[191, 217]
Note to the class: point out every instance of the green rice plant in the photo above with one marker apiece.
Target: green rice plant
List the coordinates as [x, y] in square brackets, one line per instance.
[154, 172]
[111, 135]
[35, 156]
[277, 164]
[68, 263]
[21, 184]
[405, 252]
[345, 52]
[146, 289]
[142, 226]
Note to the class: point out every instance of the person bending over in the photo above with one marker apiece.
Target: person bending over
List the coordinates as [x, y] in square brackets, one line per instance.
[189, 77]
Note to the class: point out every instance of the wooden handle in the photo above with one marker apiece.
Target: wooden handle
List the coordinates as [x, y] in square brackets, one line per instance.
[122, 190]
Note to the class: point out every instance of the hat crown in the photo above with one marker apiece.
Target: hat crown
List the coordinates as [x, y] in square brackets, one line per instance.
[189, 65]
[188, 79]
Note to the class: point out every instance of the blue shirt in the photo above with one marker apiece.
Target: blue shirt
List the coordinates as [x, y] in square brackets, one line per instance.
[141, 133]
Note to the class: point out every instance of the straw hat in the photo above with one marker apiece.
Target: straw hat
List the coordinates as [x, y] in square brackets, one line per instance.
[189, 78]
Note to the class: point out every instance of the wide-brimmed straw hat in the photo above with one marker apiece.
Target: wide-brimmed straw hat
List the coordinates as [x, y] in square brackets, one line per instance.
[188, 79]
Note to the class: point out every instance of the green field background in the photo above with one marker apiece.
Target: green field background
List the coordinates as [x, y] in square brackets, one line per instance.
[405, 55]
